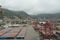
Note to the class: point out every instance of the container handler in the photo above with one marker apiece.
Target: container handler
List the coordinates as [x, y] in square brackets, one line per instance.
[47, 31]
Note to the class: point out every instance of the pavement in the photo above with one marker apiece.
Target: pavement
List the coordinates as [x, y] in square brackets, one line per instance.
[31, 34]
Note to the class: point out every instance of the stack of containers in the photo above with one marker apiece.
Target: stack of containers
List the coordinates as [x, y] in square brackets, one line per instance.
[11, 34]
[22, 33]
[2, 32]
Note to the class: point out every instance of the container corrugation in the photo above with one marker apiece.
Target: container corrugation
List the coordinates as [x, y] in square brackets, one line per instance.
[16, 30]
[4, 31]
[22, 33]
[1, 33]
[12, 33]
[8, 35]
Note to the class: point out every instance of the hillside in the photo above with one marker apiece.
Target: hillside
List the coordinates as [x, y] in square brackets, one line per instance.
[11, 14]
[47, 16]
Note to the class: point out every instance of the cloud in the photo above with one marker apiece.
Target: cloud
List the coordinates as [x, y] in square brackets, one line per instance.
[32, 6]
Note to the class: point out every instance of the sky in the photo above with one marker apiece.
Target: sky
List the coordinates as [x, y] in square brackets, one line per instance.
[32, 7]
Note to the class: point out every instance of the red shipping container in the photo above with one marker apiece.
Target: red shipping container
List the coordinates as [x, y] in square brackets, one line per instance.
[10, 35]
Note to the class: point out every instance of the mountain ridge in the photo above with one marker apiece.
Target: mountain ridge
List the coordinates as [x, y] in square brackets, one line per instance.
[9, 13]
[47, 16]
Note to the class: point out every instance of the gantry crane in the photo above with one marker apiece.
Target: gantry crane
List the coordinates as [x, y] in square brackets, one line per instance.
[46, 30]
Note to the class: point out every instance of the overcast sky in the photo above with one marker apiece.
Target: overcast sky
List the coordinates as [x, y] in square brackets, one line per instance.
[32, 6]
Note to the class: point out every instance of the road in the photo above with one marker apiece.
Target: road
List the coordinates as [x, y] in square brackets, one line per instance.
[31, 34]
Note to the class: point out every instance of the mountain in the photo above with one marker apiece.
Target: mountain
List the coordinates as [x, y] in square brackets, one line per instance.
[11, 14]
[22, 14]
[47, 16]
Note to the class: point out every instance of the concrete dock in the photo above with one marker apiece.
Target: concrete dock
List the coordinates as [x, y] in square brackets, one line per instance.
[31, 34]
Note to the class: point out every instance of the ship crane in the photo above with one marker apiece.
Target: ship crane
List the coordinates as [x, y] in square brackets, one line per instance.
[47, 31]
